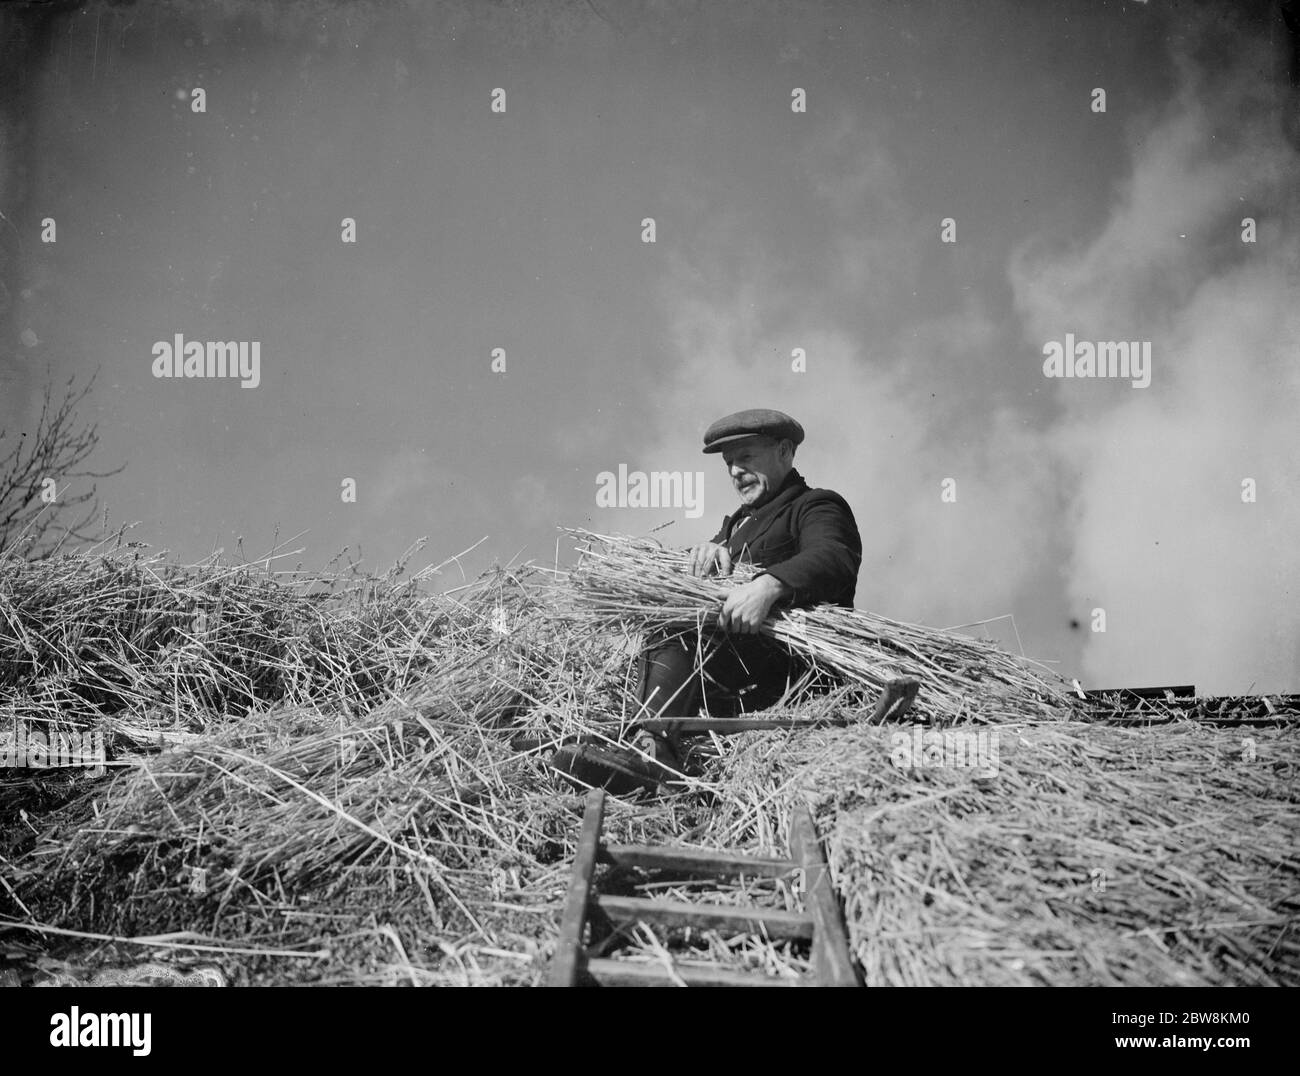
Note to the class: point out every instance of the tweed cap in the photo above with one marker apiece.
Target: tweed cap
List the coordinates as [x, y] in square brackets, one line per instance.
[756, 422]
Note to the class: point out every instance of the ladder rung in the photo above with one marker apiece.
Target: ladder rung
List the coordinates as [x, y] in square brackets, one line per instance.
[775, 923]
[625, 973]
[695, 861]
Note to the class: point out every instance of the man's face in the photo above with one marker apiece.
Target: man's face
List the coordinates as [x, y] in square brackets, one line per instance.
[757, 466]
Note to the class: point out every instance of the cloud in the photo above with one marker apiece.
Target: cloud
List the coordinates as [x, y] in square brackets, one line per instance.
[874, 434]
[1125, 499]
[873, 245]
[406, 478]
[1197, 586]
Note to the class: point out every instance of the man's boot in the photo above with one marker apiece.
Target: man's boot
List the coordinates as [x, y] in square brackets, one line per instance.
[665, 688]
[645, 765]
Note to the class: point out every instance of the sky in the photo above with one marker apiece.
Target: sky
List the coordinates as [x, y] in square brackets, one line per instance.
[983, 488]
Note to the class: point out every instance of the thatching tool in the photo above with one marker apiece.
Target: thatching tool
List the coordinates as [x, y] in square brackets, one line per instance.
[821, 925]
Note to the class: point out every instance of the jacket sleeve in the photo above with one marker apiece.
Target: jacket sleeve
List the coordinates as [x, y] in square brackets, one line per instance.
[830, 551]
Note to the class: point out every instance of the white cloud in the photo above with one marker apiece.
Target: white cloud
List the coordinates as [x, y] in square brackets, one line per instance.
[871, 437]
[1197, 586]
[1103, 479]
[406, 477]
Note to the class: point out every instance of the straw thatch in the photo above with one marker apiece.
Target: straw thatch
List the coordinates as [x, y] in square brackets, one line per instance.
[320, 786]
[1094, 855]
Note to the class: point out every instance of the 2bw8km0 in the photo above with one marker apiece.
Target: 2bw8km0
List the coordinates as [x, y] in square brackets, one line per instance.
[1216, 1018]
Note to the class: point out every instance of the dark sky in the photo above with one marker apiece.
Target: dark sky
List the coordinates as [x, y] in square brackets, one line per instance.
[775, 230]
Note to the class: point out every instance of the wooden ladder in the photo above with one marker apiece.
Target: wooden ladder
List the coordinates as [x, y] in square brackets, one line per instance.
[820, 924]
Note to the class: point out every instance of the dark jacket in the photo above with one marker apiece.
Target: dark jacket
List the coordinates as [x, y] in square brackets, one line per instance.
[807, 538]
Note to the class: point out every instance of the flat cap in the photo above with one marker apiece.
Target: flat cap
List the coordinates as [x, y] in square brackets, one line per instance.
[756, 422]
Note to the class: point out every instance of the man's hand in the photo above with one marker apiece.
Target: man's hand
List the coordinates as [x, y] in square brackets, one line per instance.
[747, 606]
[710, 558]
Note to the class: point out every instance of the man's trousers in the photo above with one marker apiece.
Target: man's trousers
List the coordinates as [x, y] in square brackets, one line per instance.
[740, 673]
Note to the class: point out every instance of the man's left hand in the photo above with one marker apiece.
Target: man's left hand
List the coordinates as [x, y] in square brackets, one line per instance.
[747, 605]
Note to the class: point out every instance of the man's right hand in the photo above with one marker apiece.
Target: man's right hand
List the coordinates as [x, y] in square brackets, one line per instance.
[710, 559]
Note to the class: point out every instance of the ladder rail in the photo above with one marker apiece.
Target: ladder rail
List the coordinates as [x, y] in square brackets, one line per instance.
[832, 959]
[564, 968]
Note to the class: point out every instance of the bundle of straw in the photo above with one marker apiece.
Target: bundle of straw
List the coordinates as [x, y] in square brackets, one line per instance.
[636, 583]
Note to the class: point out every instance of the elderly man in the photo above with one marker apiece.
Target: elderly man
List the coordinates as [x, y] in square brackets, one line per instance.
[806, 543]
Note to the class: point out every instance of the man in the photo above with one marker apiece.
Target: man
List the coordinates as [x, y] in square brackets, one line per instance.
[805, 540]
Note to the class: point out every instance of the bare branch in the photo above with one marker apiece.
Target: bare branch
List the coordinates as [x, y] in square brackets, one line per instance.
[57, 450]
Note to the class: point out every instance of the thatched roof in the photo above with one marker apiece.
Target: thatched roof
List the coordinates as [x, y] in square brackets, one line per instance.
[325, 790]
